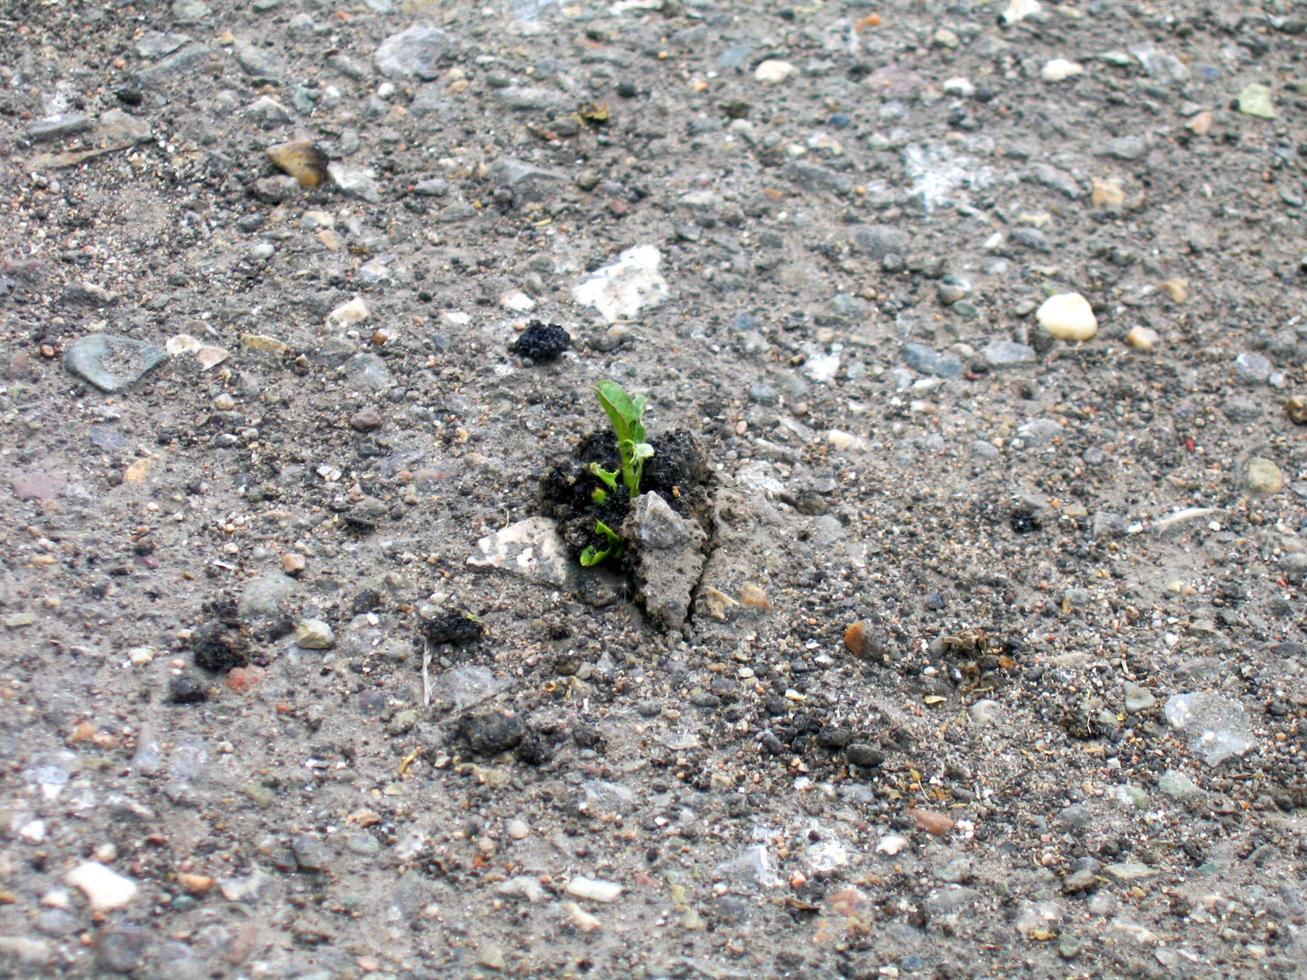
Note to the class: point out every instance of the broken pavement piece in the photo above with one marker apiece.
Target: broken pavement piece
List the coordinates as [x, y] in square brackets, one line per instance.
[669, 558]
[531, 548]
[621, 289]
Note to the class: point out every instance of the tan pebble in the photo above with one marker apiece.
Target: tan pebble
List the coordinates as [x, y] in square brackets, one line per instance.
[1296, 408]
[194, 884]
[931, 822]
[292, 563]
[753, 596]
[1200, 123]
[302, 159]
[857, 638]
[137, 472]
[1142, 338]
[1107, 193]
[580, 918]
[1177, 288]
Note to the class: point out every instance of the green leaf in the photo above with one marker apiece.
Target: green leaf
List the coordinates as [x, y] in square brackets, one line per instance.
[626, 414]
[592, 556]
[599, 496]
[617, 404]
[612, 536]
[608, 476]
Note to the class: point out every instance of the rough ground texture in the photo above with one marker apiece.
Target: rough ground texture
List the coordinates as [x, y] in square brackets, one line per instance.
[1064, 734]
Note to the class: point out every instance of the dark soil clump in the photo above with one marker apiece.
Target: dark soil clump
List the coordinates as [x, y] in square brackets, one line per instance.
[456, 628]
[542, 342]
[678, 472]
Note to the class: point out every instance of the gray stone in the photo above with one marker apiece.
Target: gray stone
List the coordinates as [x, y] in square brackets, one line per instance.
[882, 240]
[1129, 871]
[177, 64]
[1057, 180]
[112, 363]
[276, 190]
[1126, 147]
[116, 126]
[414, 53]
[669, 558]
[57, 127]
[1178, 786]
[1079, 881]
[432, 187]
[1007, 353]
[122, 947]
[311, 854]
[267, 110]
[189, 11]
[360, 182]
[156, 44]
[1137, 698]
[529, 183]
[260, 64]
[369, 371]
[925, 360]
[1039, 432]
[266, 596]
[751, 868]
[1253, 368]
[523, 98]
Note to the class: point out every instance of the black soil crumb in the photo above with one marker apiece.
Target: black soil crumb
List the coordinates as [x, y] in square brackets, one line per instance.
[458, 628]
[221, 642]
[542, 342]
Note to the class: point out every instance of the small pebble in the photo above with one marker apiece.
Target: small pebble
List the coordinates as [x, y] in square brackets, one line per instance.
[1059, 69]
[773, 71]
[1068, 316]
[1263, 477]
[314, 634]
[594, 889]
[1142, 338]
[103, 887]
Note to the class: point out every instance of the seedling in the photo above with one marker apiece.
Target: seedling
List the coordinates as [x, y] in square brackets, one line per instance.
[626, 414]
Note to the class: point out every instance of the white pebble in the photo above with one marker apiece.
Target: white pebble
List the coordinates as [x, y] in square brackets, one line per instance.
[594, 889]
[348, 314]
[580, 918]
[1068, 316]
[103, 887]
[517, 829]
[773, 71]
[1059, 70]
[891, 844]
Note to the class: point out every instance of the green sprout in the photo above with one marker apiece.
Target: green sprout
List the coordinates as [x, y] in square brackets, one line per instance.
[626, 414]
[593, 556]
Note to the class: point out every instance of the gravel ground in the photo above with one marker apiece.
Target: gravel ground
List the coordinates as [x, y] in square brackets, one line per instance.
[985, 654]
